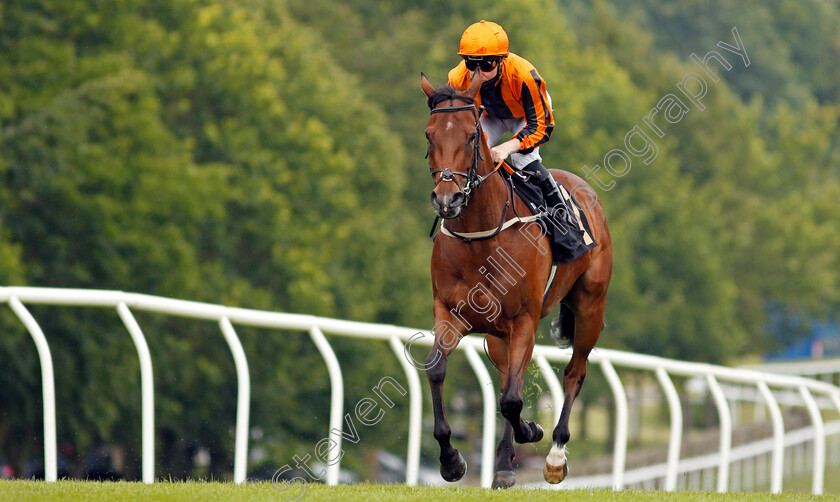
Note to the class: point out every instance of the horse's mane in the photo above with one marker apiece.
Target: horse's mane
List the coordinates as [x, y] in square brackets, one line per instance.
[450, 93]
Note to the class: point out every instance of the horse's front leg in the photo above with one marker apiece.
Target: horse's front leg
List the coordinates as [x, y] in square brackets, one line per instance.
[448, 332]
[520, 349]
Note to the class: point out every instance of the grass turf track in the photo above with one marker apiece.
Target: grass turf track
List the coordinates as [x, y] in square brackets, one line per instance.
[13, 491]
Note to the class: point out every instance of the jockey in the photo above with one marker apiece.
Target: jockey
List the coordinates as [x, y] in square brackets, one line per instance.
[515, 100]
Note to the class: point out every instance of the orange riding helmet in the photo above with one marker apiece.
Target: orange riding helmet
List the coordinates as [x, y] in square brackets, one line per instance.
[484, 38]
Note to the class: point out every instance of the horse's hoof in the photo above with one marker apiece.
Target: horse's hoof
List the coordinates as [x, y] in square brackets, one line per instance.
[555, 474]
[538, 434]
[454, 471]
[503, 480]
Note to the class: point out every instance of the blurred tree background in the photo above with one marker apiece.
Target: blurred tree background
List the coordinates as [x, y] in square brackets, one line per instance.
[269, 154]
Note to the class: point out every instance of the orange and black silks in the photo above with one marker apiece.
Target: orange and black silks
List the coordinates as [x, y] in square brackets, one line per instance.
[517, 92]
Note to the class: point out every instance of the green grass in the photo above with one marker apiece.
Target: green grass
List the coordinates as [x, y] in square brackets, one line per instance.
[365, 492]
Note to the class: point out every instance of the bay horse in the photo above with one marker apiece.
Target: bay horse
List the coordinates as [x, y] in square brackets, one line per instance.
[474, 204]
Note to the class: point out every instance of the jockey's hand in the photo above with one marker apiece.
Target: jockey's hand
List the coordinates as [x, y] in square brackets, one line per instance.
[501, 152]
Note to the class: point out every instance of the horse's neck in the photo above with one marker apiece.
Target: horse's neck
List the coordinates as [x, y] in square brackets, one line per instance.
[486, 206]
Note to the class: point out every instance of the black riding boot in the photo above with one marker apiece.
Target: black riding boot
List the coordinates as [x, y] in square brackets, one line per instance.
[568, 240]
[548, 185]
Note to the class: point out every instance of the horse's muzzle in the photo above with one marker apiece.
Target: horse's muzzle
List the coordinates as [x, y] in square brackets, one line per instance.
[448, 205]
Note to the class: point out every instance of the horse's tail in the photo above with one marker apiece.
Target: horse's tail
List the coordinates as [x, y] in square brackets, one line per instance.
[563, 328]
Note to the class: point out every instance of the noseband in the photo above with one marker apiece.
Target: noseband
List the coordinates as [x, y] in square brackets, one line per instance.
[472, 176]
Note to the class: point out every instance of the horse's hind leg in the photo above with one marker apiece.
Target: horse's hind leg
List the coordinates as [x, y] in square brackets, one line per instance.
[588, 320]
[504, 477]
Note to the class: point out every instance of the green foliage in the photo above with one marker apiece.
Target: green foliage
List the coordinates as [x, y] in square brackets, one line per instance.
[792, 43]
[195, 151]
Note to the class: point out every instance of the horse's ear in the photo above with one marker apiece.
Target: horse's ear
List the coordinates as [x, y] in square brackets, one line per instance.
[427, 87]
[475, 84]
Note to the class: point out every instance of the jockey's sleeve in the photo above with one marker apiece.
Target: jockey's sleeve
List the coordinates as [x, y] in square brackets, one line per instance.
[539, 121]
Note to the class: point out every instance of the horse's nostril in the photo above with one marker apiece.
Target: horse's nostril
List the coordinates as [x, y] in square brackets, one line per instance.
[457, 199]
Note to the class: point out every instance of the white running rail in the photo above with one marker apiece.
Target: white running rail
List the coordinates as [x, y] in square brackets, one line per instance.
[401, 339]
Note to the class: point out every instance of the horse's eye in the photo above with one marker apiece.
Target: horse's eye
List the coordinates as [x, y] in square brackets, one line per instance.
[473, 136]
[428, 137]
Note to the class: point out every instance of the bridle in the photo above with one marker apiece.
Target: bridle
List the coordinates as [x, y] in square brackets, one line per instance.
[473, 179]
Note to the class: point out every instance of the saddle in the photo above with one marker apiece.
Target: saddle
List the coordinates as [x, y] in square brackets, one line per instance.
[566, 227]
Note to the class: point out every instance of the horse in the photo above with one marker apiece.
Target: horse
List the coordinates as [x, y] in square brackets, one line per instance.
[475, 266]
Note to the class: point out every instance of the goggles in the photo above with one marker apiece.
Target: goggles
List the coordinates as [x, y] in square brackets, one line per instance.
[484, 63]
